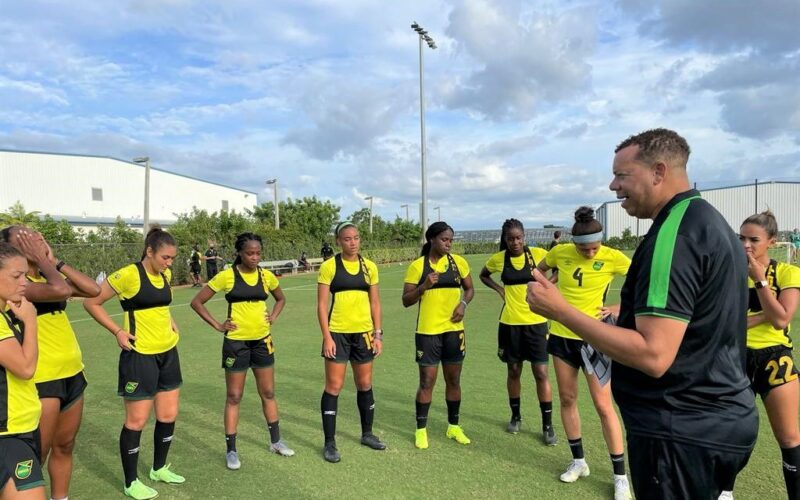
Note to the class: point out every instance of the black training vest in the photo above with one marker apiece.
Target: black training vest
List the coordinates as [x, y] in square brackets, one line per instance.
[48, 307]
[18, 329]
[242, 292]
[512, 276]
[772, 282]
[451, 278]
[147, 297]
[343, 281]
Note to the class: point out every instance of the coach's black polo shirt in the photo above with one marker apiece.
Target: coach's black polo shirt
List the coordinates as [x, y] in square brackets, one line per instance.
[690, 267]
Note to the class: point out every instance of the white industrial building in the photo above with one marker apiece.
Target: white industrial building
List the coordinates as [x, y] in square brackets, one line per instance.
[736, 203]
[88, 191]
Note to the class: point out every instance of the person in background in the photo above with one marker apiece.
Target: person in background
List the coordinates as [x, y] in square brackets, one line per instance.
[212, 258]
[556, 240]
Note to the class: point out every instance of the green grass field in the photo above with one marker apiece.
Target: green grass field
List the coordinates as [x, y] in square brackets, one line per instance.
[495, 465]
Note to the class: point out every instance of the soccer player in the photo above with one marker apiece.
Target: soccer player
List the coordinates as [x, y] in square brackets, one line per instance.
[774, 295]
[20, 469]
[149, 367]
[679, 343]
[586, 269]
[435, 281]
[59, 377]
[194, 266]
[351, 331]
[247, 342]
[794, 238]
[521, 334]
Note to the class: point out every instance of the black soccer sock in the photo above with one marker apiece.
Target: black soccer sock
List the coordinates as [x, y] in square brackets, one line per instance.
[452, 411]
[230, 442]
[129, 453]
[422, 414]
[366, 409]
[274, 431]
[547, 413]
[514, 403]
[576, 447]
[791, 470]
[328, 407]
[618, 463]
[162, 438]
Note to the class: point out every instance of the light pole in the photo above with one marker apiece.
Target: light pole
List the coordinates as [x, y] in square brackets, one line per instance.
[438, 213]
[369, 199]
[423, 35]
[146, 218]
[274, 183]
[406, 207]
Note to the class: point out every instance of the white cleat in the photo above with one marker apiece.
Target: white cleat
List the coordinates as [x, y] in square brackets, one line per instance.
[576, 469]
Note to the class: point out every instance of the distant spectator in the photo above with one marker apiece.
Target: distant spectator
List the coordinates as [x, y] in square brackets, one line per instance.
[794, 237]
[303, 262]
[327, 251]
[211, 257]
[556, 240]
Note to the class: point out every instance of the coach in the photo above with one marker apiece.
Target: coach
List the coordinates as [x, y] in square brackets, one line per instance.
[679, 344]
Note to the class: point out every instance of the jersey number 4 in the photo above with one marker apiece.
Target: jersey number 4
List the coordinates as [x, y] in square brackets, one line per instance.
[578, 275]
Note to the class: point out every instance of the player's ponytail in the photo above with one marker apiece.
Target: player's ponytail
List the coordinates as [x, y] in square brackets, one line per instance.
[766, 221]
[585, 223]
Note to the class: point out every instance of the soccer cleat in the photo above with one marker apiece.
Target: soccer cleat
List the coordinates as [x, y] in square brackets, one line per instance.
[576, 469]
[370, 440]
[514, 426]
[421, 439]
[139, 491]
[330, 453]
[457, 433]
[726, 495]
[281, 449]
[622, 490]
[232, 460]
[549, 435]
[166, 476]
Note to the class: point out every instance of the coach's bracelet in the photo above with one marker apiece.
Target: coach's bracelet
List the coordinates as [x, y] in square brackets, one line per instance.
[118, 330]
[464, 302]
[378, 335]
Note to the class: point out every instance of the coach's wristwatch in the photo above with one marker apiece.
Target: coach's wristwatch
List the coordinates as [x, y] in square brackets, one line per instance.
[378, 334]
[761, 284]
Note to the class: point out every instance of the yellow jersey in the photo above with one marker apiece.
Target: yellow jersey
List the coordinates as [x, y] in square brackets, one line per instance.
[437, 304]
[349, 283]
[247, 295]
[145, 299]
[515, 275]
[780, 276]
[584, 282]
[20, 408]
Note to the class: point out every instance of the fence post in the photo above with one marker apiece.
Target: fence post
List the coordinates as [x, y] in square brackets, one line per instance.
[756, 196]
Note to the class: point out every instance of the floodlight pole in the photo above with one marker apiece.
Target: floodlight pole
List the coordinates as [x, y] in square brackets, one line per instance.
[406, 207]
[146, 218]
[423, 36]
[274, 183]
[369, 199]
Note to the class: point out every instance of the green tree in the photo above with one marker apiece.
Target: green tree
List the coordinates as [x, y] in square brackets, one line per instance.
[56, 232]
[16, 215]
[310, 216]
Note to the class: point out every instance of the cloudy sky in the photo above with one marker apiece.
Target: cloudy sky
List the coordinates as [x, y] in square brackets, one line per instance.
[525, 100]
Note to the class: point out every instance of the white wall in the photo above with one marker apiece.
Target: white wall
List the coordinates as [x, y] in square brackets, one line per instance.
[61, 185]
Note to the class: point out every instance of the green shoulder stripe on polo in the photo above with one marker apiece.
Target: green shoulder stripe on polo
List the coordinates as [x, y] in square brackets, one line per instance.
[661, 265]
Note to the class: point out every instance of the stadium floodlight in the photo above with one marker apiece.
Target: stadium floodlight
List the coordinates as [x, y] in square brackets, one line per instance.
[423, 36]
[369, 199]
[406, 207]
[146, 218]
[274, 183]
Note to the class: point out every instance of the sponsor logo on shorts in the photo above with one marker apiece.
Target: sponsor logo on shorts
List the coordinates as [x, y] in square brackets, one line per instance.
[24, 469]
[598, 265]
[131, 386]
[420, 354]
[500, 352]
[229, 362]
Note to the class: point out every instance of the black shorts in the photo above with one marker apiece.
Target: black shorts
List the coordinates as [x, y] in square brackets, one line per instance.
[665, 469]
[19, 460]
[141, 376]
[449, 348]
[195, 268]
[211, 271]
[518, 343]
[68, 390]
[568, 350]
[239, 355]
[769, 368]
[353, 347]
